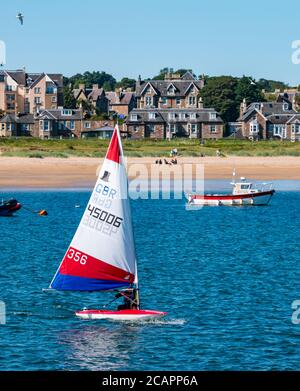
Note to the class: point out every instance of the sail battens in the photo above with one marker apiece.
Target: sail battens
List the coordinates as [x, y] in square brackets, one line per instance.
[101, 255]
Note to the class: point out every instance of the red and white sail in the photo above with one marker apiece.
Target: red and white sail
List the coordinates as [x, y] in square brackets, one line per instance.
[101, 255]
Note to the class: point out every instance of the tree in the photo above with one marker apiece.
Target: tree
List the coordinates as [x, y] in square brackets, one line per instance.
[69, 100]
[219, 92]
[166, 70]
[247, 89]
[225, 94]
[90, 78]
[271, 85]
[126, 83]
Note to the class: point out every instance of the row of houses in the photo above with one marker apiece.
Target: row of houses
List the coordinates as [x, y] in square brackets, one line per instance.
[268, 120]
[32, 105]
[59, 123]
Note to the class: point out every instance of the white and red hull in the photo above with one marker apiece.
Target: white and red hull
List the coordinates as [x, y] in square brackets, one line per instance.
[122, 315]
[258, 198]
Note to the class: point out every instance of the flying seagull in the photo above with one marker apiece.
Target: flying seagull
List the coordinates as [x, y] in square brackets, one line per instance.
[20, 17]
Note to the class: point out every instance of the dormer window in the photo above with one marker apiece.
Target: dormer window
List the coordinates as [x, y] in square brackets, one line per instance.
[285, 107]
[212, 115]
[66, 112]
[193, 116]
[171, 115]
[133, 117]
[171, 89]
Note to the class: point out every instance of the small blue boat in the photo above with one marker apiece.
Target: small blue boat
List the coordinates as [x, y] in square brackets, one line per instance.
[9, 207]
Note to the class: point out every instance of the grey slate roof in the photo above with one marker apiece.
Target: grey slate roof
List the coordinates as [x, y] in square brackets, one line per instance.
[181, 85]
[124, 99]
[95, 94]
[21, 119]
[162, 115]
[21, 77]
[57, 114]
[267, 109]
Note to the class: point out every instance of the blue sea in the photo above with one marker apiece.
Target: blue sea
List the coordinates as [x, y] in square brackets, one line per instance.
[227, 277]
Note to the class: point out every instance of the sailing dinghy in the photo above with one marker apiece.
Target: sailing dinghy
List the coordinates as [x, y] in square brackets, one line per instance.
[101, 256]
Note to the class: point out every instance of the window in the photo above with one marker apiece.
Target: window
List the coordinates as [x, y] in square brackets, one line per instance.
[133, 117]
[212, 115]
[51, 90]
[37, 90]
[279, 130]
[152, 115]
[151, 128]
[178, 101]
[171, 90]
[164, 100]
[44, 125]
[53, 99]
[87, 125]
[148, 100]
[171, 115]
[193, 128]
[2, 126]
[10, 98]
[296, 128]
[136, 128]
[285, 107]
[192, 100]
[213, 129]
[193, 116]
[254, 128]
[172, 128]
[244, 187]
[72, 124]
[9, 88]
[37, 100]
[25, 127]
[67, 112]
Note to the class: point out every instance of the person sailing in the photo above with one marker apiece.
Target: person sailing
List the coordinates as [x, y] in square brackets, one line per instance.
[131, 299]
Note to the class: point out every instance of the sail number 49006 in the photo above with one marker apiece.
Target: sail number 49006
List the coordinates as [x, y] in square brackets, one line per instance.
[77, 256]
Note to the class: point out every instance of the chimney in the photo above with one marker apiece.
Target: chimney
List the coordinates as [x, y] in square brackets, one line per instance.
[138, 83]
[118, 95]
[81, 86]
[243, 107]
[95, 87]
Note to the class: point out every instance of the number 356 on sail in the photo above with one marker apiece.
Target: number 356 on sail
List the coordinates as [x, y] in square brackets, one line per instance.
[77, 256]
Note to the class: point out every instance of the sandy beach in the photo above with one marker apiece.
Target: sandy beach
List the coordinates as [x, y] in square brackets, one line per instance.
[80, 172]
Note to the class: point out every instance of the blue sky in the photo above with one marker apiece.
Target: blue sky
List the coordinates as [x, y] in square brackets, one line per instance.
[128, 38]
